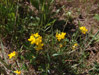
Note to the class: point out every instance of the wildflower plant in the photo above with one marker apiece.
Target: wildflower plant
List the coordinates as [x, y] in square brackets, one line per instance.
[53, 53]
[60, 36]
[37, 40]
[13, 54]
[74, 46]
[17, 72]
[83, 30]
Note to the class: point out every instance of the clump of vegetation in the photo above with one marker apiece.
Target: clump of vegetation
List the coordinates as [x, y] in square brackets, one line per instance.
[95, 69]
[36, 45]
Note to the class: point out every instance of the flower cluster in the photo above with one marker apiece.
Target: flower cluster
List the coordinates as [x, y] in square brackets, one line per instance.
[60, 36]
[11, 55]
[17, 72]
[83, 29]
[37, 40]
[74, 46]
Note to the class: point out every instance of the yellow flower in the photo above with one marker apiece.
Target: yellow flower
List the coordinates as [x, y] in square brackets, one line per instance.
[74, 46]
[13, 54]
[33, 56]
[60, 36]
[38, 40]
[32, 39]
[60, 45]
[39, 46]
[36, 35]
[35, 39]
[83, 29]
[63, 35]
[17, 72]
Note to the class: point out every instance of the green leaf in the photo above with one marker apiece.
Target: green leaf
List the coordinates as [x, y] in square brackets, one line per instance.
[67, 40]
[3, 52]
[97, 16]
[35, 3]
[22, 57]
[96, 38]
[56, 54]
[24, 66]
[51, 23]
[48, 57]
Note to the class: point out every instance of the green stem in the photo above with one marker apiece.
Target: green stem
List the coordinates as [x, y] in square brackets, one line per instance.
[92, 39]
[4, 63]
[3, 52]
